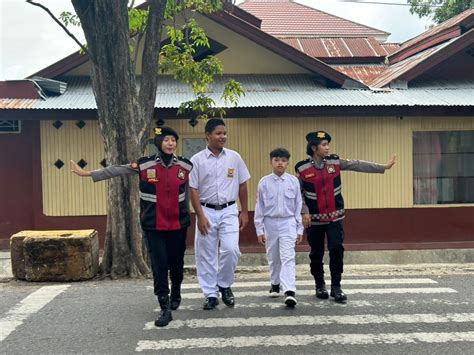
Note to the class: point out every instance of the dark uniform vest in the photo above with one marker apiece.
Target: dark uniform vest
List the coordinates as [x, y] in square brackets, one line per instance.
[163, 193]
[322, 188]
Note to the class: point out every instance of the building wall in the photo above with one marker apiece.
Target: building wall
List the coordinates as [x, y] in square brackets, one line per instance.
[242, 56]
[374, 139]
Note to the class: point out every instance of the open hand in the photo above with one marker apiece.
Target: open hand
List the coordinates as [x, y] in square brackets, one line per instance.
[391, 162]
[76, 169]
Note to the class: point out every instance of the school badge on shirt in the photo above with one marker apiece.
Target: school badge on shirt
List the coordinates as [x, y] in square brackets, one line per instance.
[331, 170]
[230, 172]
[151, 175]
[181, 174]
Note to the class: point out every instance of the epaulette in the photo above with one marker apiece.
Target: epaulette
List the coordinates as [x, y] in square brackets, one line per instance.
[143, 159]
[303, 163]
[185, 163]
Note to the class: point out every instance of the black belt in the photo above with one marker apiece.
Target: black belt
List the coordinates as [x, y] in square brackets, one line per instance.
[218, 207]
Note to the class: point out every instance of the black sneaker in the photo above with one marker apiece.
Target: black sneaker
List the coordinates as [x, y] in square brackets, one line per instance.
[227, 296]
[210, 303]
[338, 294]
[290, 299]
[322, 292]
[275, 290]
[164, 319]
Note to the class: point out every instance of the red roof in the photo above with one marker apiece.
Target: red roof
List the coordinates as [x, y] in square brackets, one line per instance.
[333, 47]
[365, 73]
[451, 28]
[288, 18]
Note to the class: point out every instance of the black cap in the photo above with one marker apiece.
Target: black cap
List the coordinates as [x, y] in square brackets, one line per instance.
[165, 131]
[317, 137]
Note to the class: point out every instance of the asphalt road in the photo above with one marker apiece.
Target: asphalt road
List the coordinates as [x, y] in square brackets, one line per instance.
[420, 313]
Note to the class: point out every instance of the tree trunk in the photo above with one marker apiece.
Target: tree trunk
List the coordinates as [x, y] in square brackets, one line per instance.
[124, 119]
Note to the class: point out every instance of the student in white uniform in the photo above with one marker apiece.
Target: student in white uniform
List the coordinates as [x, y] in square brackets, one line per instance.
[219, 177]
[278, 224]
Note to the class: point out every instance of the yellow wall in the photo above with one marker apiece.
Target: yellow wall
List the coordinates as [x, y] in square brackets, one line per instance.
[372, 139]
[242, 56]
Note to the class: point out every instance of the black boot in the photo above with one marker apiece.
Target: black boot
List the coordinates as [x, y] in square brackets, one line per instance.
[338, 294]
[165, 317]
[321, 291]
[175, 300]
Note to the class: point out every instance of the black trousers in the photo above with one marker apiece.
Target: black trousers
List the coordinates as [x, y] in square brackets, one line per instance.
[166, 250]
[335, 242]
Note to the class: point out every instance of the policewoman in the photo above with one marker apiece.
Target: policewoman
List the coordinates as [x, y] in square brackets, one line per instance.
[218, 179]
[164, 213]
[323, 207]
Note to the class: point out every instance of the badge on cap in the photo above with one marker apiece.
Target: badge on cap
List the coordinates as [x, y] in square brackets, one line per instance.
[230, 172]
[158, 131]
[321, 135]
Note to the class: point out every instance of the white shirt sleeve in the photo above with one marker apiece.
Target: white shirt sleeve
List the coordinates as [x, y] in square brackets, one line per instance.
[244, 174]
[259, 207]
[194, 175]
[299, 205]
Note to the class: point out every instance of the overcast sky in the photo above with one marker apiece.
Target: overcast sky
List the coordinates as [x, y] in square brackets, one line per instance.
[30, 40]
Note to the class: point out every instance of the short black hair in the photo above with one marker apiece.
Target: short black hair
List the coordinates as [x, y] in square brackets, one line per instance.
[279, 153]
[309, 149]
[212, 123]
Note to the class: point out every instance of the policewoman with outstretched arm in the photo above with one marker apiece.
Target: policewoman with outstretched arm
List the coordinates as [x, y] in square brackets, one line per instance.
[164, 213]
[323, 207]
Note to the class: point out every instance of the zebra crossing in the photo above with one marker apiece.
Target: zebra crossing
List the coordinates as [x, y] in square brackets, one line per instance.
[381, 311]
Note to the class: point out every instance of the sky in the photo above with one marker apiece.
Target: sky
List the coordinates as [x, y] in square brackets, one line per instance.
[30, 40]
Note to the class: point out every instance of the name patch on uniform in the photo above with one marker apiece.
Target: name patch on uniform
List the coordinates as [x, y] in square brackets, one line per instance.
[230, 172]
[181, 174]
[309, 175]
[331, 170]
[151, 175]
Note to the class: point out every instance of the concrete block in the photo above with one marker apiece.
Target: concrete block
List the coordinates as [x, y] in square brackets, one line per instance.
[60, 255]
[17, 257]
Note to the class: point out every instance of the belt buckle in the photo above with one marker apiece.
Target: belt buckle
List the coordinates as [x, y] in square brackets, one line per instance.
[219, 207]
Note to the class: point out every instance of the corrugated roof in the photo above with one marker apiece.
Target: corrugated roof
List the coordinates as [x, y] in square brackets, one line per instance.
[267, 91]
[390, 48]
[337, 47]
[362, 72]
[285, 17]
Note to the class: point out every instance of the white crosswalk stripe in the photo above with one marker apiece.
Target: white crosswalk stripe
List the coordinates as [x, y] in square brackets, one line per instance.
[302, 340]
[371, 313]
[353, 291]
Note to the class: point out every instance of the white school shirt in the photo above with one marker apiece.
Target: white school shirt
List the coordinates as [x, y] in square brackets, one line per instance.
[278, 197]
[217, 178]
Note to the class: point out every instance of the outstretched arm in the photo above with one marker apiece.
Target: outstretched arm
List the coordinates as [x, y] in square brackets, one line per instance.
[363, 166]
[105, 173]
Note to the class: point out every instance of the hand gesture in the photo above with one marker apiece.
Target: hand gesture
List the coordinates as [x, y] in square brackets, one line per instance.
[76, 169]
[391, 162]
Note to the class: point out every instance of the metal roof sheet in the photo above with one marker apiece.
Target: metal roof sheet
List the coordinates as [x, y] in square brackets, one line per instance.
[267, 91]
[285, 17]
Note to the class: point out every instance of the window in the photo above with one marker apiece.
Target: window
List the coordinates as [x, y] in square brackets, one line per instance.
[189, 146]
[10, 126]
[443, 167]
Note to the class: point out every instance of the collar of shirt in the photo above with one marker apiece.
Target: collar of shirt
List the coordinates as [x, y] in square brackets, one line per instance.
[276, 177]
[172, 161]
[210, 153]
[319, 165]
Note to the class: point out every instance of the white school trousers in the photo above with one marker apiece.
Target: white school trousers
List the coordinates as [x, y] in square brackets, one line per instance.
[217, 253]
[280, 245]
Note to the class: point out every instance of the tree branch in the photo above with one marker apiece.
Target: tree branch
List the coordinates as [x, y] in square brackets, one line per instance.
[60, 24]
